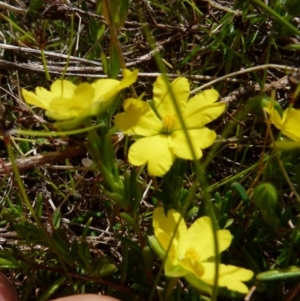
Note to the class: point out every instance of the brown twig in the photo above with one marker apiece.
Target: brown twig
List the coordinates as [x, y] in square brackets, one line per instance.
[40, 160]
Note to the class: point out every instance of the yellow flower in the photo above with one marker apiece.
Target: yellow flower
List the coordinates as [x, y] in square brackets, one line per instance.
[66, 100]
[191, 248]
[163, 137]
[288, 124]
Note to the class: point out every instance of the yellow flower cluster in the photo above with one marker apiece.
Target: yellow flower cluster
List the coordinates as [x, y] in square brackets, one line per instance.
[66, 100]
[162, 135]
[288, 123]
[160, 140]
[163, 138]
[192, 248]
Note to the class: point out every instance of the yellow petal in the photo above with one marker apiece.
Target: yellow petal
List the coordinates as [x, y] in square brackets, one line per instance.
[32, 99]
[173, 269]
[59, 116]
[290, 126]
[138, 118]
[206, 97]
[274, 115]
[200, 237]
[152, 150]
[59, 88]
[104, 87]
[202, 109]
[76, 105]
[109, 88]
[164, 228]
[163, 99]
[44, 95]
[129, 77]
[200, 139]
[66, 100]
[58, 101]
[229, 276]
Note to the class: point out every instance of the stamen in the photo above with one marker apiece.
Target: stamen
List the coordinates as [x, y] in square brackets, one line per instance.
[169, 121]
[192, 255]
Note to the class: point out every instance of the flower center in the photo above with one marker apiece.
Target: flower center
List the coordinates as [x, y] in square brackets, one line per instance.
[169, 121]
[192, 262]
[192, 255]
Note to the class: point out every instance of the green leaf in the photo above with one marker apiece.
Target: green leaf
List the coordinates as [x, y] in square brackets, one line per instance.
[155, 245]
[148, 257]
[218, 198]
[52, 289]
[86, 228]
[130, 221]
[256, 104]
[104, 62]
[10, 263]
[290, 272]
[114, 63]
[132, 192]
[122, 12]
[227, 202]
[240, 191]
[103, 267]
[56, 220]
[84, 256]
[101, 31]
[115, 11]
[93, 28]
[265, 196]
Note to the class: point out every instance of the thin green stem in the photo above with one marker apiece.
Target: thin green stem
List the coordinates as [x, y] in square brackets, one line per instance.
[45, 64]
[21, 186]
[18, 28]
[54, 134]
[172, 282]
[237, 176]
[199, 170]
[114, 34]
[114, 42]
[70, 46]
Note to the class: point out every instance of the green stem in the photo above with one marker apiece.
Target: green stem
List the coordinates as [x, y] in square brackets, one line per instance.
[17, 27]
[237, 176]
[54, 134]
[21, 186]
[200, 178]
[103, 156]
[172, 282]
[70, 46]
[45, 64]
[114, 43]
